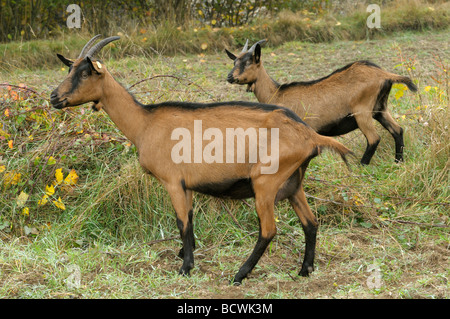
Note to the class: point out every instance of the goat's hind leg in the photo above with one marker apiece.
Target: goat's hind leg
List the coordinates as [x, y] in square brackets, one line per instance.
[396, 131]
[310, 226]
[267, 230]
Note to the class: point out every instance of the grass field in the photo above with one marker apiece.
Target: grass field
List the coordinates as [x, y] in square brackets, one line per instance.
[106, 230]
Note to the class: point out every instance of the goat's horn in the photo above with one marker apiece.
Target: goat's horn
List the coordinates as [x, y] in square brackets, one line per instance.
[245, 47]
[254, 46]
[96, 48]
[88, 46]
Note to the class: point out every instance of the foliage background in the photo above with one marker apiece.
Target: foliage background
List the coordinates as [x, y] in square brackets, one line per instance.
[38, 19]
[21, 19]
[151, 28]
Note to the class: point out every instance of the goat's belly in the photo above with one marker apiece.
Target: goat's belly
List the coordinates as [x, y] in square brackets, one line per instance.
[243, 188]
[232, 188]
[339, 127]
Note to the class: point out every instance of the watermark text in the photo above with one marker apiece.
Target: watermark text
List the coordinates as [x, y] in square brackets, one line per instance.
[235, 145]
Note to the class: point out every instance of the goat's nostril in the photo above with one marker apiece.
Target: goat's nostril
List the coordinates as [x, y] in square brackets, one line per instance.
[54, 95]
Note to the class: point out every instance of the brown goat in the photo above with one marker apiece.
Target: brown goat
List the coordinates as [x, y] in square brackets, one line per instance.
[156, 129]
[336, 104]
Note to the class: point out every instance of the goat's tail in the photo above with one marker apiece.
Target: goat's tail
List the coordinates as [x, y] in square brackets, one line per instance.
[325, 142]
[405, 80]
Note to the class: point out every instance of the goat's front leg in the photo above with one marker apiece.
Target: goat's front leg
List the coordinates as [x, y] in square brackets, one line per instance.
[367, 127]
[191, 216]
[183, 210]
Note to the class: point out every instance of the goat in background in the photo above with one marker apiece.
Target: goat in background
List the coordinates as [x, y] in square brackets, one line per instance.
[151, 128]
[347, 99]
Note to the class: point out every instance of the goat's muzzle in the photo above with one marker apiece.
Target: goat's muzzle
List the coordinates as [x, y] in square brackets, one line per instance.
[56, 101]
[231, 79]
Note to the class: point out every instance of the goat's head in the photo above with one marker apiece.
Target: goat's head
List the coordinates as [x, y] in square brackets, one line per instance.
[83, 83]
[246, 64]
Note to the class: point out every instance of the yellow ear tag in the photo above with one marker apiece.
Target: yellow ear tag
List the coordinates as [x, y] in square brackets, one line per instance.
[99, 64]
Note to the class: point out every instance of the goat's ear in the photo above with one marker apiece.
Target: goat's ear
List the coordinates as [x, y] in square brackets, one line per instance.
[64, 60]
[96, 66]
[257, 53]
[230, 55]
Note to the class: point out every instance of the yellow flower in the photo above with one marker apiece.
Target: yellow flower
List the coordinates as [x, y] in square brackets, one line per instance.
[72, 178]
[59, 204]
[59, 176]
[398, 94]
[43, 201]
[49, 190]
[11, 178]
[26, 211]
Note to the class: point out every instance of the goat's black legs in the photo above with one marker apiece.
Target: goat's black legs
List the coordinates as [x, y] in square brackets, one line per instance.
[367, 127]
[310, 230]
[190, 233]
[187, 235]
[182, 203]
[370, 150]
[310, 225]
[396, 131]
[267, 230]
[251, 262]
[191, 216]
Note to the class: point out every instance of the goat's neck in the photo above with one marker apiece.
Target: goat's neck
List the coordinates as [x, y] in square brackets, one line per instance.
[265, 88]
[123, 110]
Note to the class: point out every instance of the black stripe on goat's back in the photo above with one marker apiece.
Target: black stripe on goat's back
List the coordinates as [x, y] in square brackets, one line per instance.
[312, 82]
[243, 104]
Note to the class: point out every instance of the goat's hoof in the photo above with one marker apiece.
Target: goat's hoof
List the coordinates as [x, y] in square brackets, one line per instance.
[186, 268]
[236, 282]
[306, 270]
[184, 272]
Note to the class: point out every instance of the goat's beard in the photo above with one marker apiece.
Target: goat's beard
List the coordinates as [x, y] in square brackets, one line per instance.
[96, 106]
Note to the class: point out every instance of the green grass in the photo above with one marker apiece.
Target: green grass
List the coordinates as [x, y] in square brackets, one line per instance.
[119, 227]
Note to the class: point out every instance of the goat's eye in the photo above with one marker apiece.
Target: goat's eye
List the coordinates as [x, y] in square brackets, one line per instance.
[84, 74]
